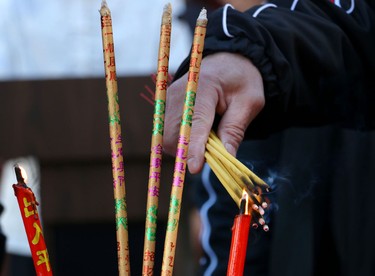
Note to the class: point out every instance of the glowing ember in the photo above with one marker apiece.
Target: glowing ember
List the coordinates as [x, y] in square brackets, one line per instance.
[23, 174]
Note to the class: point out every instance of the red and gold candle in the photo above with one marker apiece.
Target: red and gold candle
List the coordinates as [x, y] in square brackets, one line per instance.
[240, 234]
[30, 217]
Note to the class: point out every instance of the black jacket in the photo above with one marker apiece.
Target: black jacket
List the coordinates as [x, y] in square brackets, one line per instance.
[316, 58]
[318, 67]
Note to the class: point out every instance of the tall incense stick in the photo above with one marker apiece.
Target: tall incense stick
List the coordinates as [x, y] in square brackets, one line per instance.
[157, 142]
[116, 141]
[183, 144]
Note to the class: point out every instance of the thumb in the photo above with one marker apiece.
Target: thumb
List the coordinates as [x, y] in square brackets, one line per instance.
[203, 118]
[231, 133]
[235, 121]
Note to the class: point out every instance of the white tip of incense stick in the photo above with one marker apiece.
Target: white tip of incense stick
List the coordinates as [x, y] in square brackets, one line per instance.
[104, 10]
[202, 18]
[203, 14]
[264, 205]
[255, 225]
[266, 228]
[167, 14]
[167, 8]
[255, 207]
[262, 221]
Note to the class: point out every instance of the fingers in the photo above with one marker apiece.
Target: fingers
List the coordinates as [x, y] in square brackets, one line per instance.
[204, 114]
[229, 85]
[174, 104]
[235, 121]
[203, 118]
[244, 99]
[232, 127]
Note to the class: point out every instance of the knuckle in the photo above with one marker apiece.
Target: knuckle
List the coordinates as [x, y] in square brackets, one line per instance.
[236, 133]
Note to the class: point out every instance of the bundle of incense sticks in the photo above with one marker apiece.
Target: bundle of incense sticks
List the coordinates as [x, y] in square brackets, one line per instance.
[236, 178]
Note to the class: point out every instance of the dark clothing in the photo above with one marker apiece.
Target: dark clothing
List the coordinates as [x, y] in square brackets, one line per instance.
[317, 60]
[321, 218]
[314, 142]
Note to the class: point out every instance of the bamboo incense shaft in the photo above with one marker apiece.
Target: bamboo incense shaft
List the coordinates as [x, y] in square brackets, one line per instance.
[34, 232]
[183, 144]
[240, 234]
[157, 142]
[115, 141]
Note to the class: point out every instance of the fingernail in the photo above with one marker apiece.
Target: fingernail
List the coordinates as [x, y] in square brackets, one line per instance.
[230, 148]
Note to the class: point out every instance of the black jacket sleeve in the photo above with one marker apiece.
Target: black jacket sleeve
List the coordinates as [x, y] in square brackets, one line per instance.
[316, 58]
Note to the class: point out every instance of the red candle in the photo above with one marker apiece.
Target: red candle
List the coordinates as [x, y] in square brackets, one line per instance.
[28, 207]
[240, 234]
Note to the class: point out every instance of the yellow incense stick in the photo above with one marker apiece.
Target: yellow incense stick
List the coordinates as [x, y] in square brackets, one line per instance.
[157, 142]
[223, 177]
[183, 144]
[235, 161]
[231, 180]
[115, 141]
[232, 168]
[235, 177]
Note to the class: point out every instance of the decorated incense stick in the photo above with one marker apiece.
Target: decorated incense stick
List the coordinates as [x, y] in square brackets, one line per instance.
[240, 234]
[115, 141]
[183, 145]
[30, 217]
[157, 142]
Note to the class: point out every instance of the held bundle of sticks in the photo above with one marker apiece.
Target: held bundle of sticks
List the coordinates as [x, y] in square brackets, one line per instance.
[234, 176]
[237, 178]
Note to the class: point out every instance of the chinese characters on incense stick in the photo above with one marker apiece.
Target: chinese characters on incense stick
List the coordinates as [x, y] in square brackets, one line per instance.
[30, 217]
[230, 171]
[183, 145]
[157, 143]
[115, 141]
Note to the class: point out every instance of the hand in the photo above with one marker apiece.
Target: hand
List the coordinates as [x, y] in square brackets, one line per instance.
[230, 86]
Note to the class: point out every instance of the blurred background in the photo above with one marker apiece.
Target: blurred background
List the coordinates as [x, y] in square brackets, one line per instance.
[53, 120]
